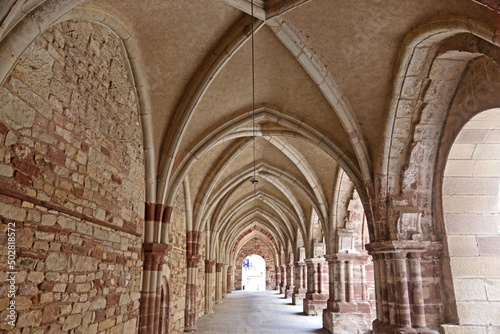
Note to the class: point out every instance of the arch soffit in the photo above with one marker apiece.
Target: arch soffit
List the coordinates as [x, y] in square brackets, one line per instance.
[417, 45]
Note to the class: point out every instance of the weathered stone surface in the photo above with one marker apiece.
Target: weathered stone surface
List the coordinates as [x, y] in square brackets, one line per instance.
[51, 313]
[29, 319]
[82, 263]
[15, 112]
[72, 321]
[12, 212]
[56, 262]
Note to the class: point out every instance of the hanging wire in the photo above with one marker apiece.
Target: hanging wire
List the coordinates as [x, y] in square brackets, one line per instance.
[254, 179]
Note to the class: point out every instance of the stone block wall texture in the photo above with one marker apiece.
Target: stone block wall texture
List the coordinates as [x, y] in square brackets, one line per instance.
[70, 138]
[200, 279]
[258, 247]
[177, 263]
[471, 207]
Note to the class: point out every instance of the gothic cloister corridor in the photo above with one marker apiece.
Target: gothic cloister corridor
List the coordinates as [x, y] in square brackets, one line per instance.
[161, 158]
[258, 313]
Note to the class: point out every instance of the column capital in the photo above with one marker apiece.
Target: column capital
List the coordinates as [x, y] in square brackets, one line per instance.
[359, 258]
[314, 260]
[154, 253]
[209, 266]
[192, 260]
[407, 246]
[298, 264]
[218, 267]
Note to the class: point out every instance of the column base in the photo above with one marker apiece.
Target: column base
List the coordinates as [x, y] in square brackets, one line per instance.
[282, 289]
[191, 329]
[315, 303]
[297, 297]
[289, 292]
[343, 323]
[359, 307]
[385, 328]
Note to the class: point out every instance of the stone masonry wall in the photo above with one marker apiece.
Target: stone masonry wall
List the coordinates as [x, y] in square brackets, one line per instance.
[200, 279]
[471, 204]
[260, 248]
[177, 264]
[71, 175]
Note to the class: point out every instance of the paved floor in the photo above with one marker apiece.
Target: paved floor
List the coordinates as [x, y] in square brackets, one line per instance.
[259, 313]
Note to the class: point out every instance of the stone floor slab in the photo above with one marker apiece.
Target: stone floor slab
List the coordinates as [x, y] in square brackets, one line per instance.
[260, 313]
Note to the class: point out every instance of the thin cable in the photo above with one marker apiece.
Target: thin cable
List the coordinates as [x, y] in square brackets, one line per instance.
[254, 180]
[253, 94]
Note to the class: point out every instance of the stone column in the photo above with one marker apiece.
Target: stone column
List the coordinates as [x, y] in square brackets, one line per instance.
[233, 278]
[290, 278]
[347, 309]
[229, 283]
[192, 259]
[154, 255]
[190, 310]
[284, 279]
[299, 290]
[278, 277]
[209, 286]
[224, 281]
[317, 286]
[218, 283]
[402, 307]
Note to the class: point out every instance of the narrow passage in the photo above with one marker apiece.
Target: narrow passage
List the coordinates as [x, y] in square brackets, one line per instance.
[258, 312]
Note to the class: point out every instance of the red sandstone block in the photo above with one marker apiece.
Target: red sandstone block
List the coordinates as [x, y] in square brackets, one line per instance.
[66, 248]
[55, 155]
[3, 128]
[77, 191]
[99, 315]
[50, 313]
[22, 178]
[96, 255]
[45, 286]
[112, 300]
[71, 287]
[32, 254]
[80, 250]
[99, 283]
[121, 260]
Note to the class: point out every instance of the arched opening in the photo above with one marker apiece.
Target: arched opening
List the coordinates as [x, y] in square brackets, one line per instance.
[254, 273]
[471, 209]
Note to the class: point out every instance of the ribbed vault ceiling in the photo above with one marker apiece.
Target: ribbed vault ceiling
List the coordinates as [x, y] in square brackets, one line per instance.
[323, 76]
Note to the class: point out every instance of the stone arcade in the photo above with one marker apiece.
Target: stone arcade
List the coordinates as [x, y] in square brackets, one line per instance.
[126, 151]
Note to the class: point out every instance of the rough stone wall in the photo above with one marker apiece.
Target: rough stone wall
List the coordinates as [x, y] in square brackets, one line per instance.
[200, 279]
[71, 171]
[177, 264]
[260, 248]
